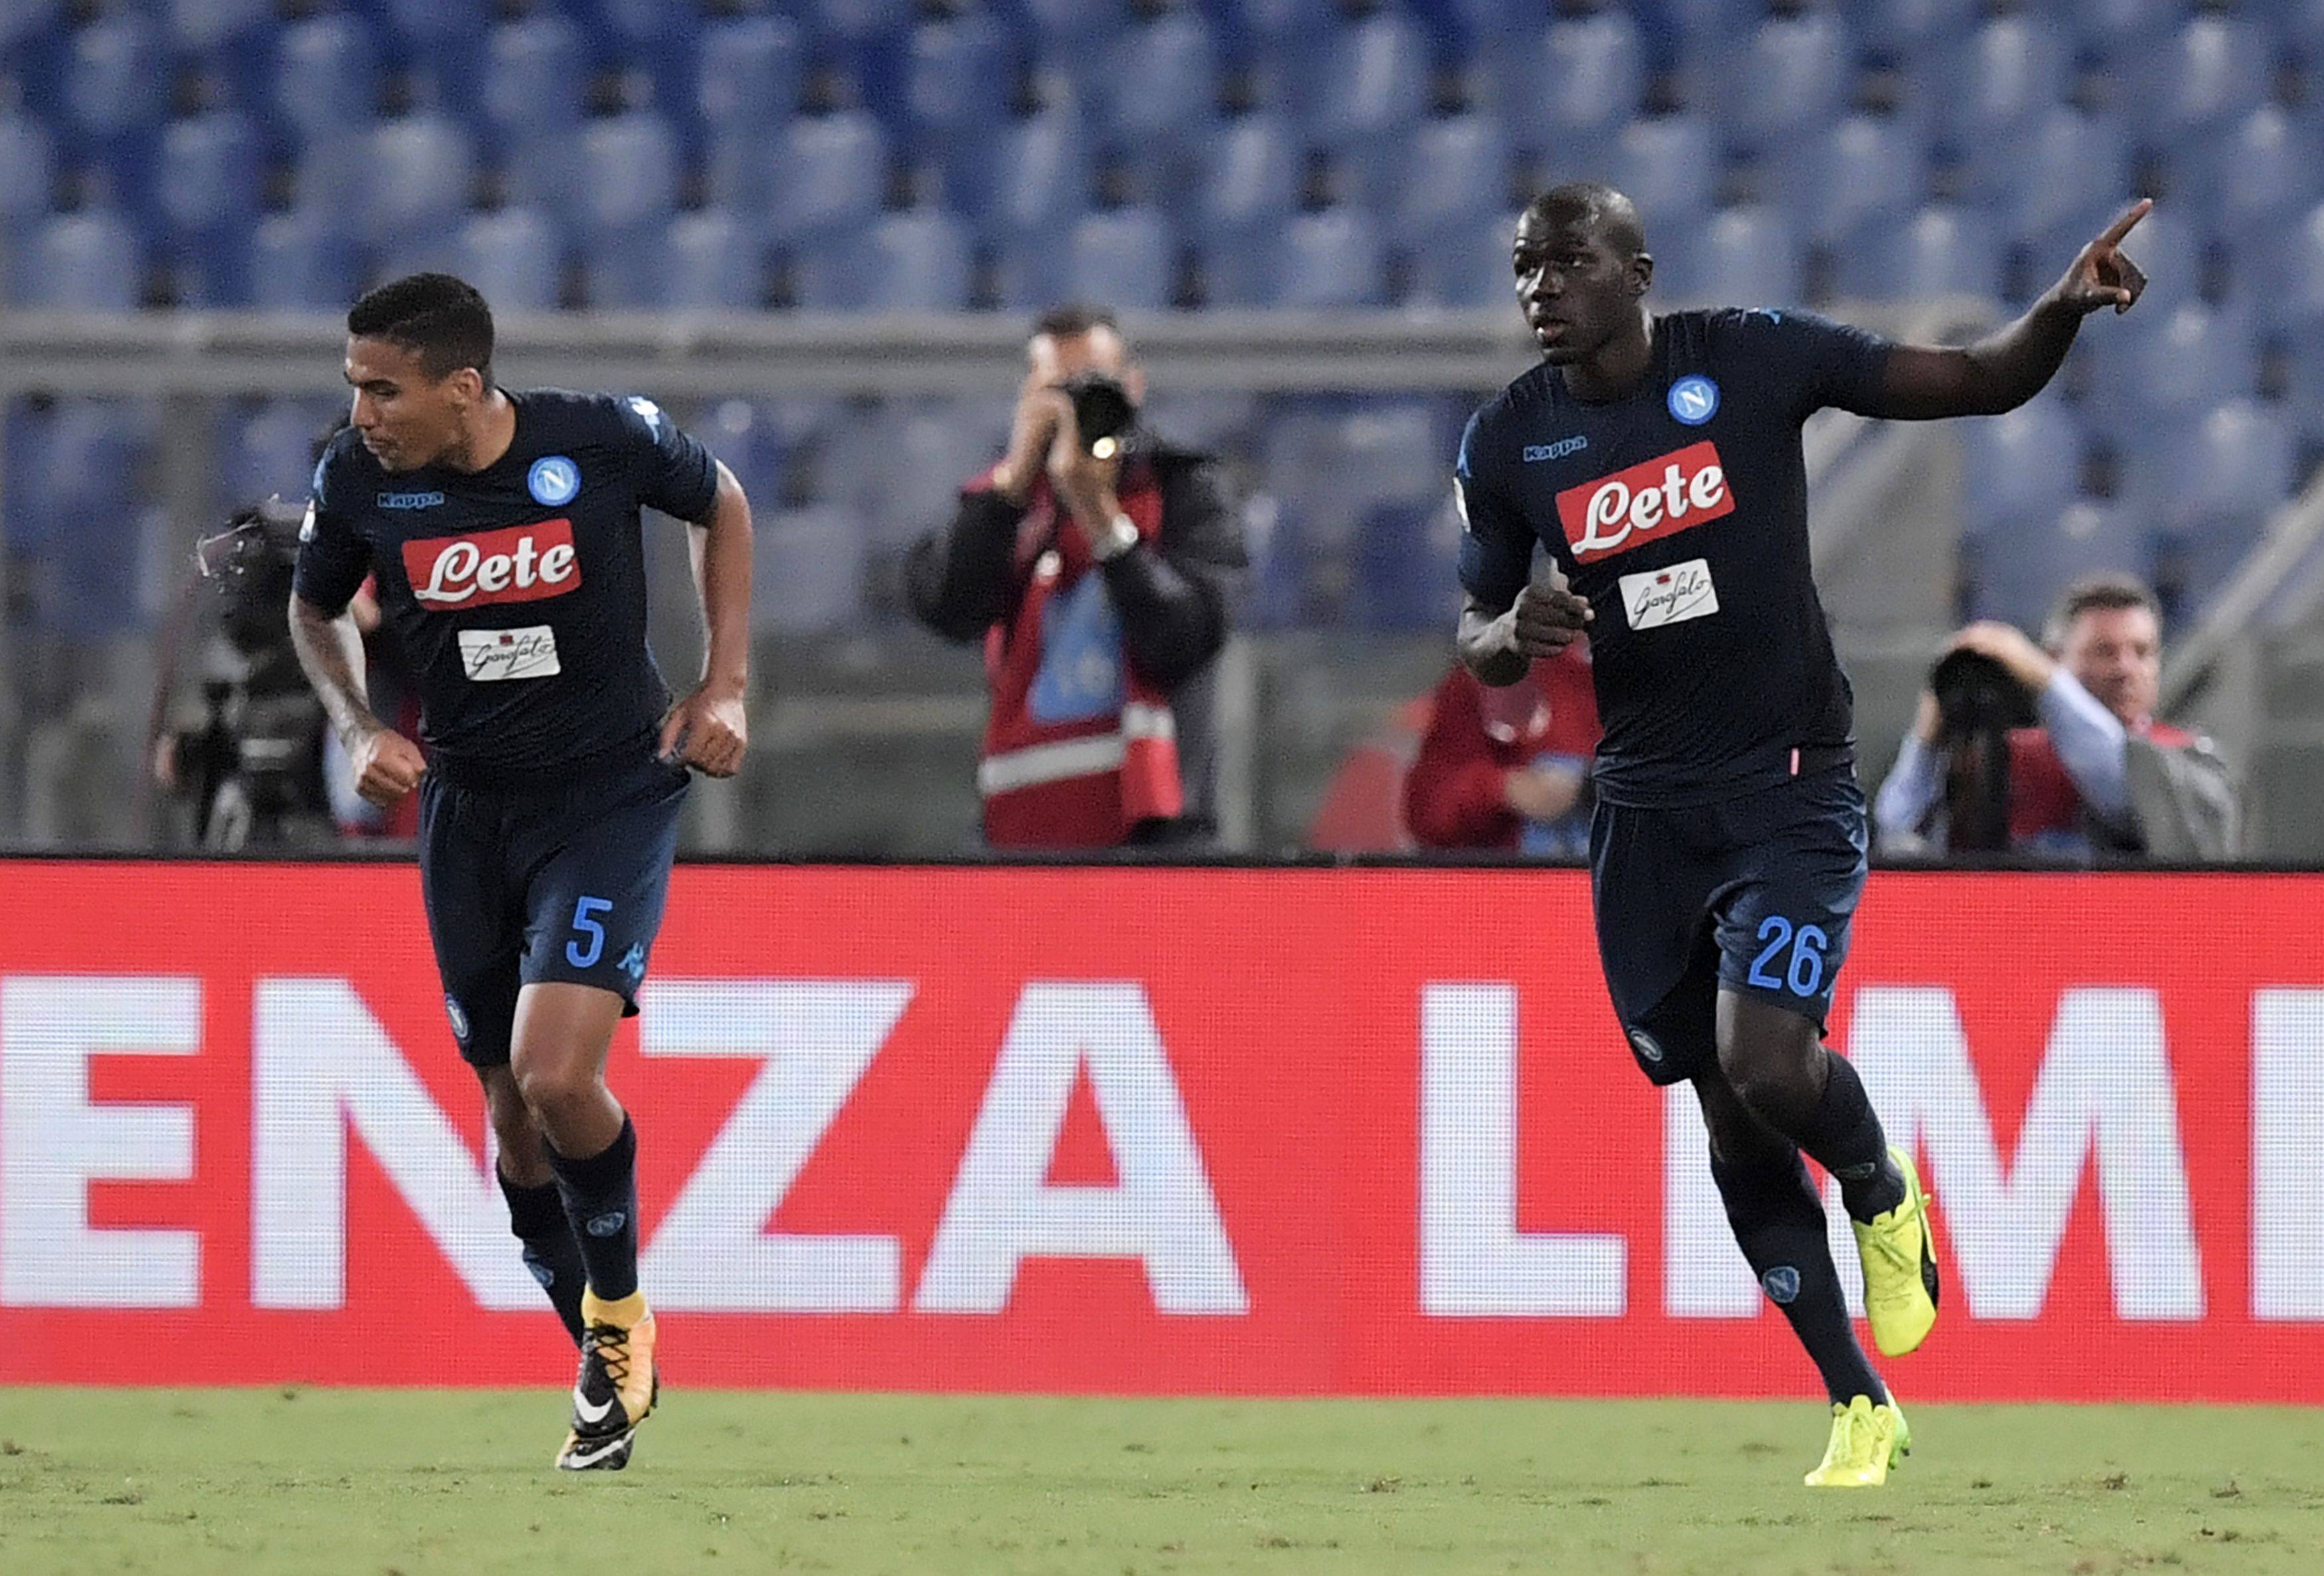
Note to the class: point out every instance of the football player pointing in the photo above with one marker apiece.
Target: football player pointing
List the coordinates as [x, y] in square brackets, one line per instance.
[502, 528]
[1657, 459]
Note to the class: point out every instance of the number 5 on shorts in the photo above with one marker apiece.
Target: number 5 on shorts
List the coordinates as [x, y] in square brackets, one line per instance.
[1808, 944]
[583, 923]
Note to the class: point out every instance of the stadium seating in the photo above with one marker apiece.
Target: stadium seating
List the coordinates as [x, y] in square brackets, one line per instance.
[883, 155]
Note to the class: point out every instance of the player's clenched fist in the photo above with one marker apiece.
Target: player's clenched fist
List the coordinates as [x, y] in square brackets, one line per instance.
[1547, 619]
[387, 765]
[707, 730]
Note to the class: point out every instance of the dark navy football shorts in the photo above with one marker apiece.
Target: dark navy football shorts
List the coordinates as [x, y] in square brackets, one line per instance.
[1755, 894]
[564, 883]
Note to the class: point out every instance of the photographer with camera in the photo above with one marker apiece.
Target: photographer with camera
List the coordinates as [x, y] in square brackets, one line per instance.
[2021, 749]
[1095, 562]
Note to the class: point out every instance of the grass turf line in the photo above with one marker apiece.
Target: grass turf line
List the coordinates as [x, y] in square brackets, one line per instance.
[356, 1482]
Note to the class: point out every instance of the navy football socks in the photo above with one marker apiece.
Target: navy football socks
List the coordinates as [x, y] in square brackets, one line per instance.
[1778, 1222]
[537, 1216]
[601, 1200]
[1844, 1136]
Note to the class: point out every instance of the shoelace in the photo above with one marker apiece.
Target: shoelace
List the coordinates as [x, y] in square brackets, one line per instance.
[1851, 1439]
[1898, 1291]
[609, 1346]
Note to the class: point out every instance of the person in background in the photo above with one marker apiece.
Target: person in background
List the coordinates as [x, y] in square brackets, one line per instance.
[1508, 768]
[2096, 773]
[1096, 568]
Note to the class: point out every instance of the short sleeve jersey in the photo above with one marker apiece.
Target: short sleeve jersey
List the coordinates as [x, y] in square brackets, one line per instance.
[517, 592]
[1680, 511]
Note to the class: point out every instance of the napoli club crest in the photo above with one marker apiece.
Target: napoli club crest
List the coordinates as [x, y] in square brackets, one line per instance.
[554, 480]
[1694, 399]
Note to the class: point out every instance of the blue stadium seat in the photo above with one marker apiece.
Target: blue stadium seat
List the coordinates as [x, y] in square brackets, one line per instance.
[2158, 374]
[625, 269]
[1126, 257]
[2214, 70]
[1468, 266]
[117, 77]
[2226, 473]
[209, 173]
[1941, 250]
[1669, 166]
[26, 20]
[202, 26]
[827, 174]
[269, 450]
[750, 73]
[417, 172]
[1455, 175]
[1040, 181]
[2006, 76]
[1370, 85]
[806, 573]
[2111, 26]
[958, 78]
[928, 450]
[27, 168]
[1162, 90]
[1076, 33]
[301, 261]
[1329, 259]
[2269, 176]
[1866, 170]
[1213, 419]
[1791, 78]
[1575, 94]
[82, 262]
[2022, 466]
[914, 260]
[1742, 256]
[2020, 572]
[713, 263]
[858, 22]
[327, 76]
[1915, 29]
[744, 436]
[443, 39]
[80, 493]
[1250, 179]
[2051, 171]
[534, 76]
[515, 257]
[628, 169]
[2295, 296]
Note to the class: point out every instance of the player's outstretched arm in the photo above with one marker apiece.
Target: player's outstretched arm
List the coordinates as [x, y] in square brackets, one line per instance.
[387, 765]
[2004, 370]
[1500, 648]
[707, 729]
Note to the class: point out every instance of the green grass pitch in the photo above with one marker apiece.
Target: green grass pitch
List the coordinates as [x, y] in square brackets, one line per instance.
[360, 1483]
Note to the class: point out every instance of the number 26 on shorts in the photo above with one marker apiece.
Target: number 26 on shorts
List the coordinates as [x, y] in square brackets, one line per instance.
[1807, 943]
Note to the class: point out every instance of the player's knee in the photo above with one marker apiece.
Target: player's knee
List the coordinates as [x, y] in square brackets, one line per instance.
[554, 1088]
[1776, 1078]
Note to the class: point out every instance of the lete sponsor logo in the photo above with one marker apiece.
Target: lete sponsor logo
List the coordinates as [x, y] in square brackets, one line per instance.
[1667, 495]
[519, 563]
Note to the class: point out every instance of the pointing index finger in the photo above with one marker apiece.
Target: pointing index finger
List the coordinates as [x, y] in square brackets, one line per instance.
[2113, 234]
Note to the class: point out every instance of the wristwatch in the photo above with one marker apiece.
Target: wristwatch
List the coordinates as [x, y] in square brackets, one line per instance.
[1119, 536]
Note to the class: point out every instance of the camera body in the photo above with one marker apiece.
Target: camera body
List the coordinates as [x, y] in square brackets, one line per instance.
[1978, 704]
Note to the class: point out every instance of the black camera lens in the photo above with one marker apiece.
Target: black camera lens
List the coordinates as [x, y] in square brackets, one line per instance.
[1102, 411]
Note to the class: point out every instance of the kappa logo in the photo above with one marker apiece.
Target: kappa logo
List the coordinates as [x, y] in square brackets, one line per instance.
[633, 961]
[1665, 495]
[453, 1010]
[648, 411]
[411, 500]
[1536, 452]
[518, 563]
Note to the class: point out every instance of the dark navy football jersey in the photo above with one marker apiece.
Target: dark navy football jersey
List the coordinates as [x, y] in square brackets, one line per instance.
[519, 592]
[1681, 513]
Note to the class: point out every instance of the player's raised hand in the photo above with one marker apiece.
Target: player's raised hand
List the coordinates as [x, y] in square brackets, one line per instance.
[2100, 275]
[707, 730]
[387, 765]
[1548, 618]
